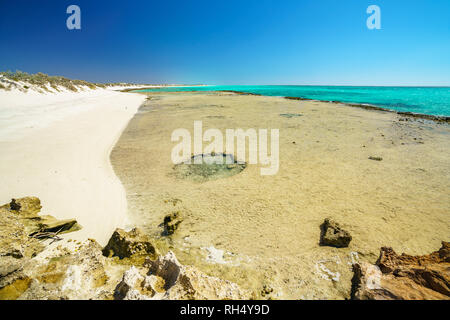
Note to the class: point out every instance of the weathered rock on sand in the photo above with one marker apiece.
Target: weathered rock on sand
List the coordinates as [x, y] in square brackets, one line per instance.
[137, 285]
[80, 273]
[27, 211]
[53, 225]
[126, 244]
[403, 276]
[333, 235]
[19, 225]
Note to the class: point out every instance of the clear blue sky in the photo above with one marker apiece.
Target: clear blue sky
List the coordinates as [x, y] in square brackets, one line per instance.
[231, 42]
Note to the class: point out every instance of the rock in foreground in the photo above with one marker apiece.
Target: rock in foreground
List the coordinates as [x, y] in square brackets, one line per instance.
[403, 276]
[125, 244]
[167, 279]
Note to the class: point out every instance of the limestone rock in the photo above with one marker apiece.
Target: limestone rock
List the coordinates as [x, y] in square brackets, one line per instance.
[78, 274]
[188, 283]
[32, 269]
[136, 286]
[403, 276]
[126, 244]
[333, 235]
[126, 289]
[18, 220]
[16, 247]
[26, 211]
[171, 223]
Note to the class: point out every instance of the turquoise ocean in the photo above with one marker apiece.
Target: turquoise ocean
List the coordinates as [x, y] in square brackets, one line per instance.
[424, 100]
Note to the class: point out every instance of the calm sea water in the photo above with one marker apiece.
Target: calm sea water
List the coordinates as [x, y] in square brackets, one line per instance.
[425, 100]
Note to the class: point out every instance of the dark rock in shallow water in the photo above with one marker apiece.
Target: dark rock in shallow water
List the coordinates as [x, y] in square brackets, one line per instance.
[206, 167]
[171, 223]
[297, 98]
[332, 235]
[126, 244]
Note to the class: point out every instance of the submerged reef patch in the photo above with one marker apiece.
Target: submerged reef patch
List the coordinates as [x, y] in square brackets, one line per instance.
[212, 167]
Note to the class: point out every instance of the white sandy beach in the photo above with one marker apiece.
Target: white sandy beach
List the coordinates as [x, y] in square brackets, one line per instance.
[56, 146]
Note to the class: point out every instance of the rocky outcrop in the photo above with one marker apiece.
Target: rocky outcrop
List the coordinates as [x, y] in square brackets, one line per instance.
[26, 212]
[403, 276]
[27, 207]
[136, 285]
[20, 223]
[14, 206]
[37, 269]
[333, 235]
[125, 244]
[167, 279]
[78, 273]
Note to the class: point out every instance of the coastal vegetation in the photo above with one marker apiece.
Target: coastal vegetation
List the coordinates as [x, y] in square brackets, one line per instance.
[44, 82]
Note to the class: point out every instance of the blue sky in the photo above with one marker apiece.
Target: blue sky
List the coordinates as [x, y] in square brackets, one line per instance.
[231, 42]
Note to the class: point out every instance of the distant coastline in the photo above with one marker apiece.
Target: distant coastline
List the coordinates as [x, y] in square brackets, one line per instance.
[368, 106]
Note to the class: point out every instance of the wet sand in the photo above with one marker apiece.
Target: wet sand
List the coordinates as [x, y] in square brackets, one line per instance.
[268, 226]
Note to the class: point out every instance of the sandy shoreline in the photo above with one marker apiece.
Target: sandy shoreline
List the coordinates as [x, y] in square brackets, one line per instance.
[437, 118]
[267, 228]
[57, 146]
[248, 229]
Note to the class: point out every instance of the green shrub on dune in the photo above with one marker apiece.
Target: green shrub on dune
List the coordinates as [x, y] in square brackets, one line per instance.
[44, 81]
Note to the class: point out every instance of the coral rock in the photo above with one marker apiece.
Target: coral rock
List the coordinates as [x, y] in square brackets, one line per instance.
[188, 283]
[403, 276]
[126, 244]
